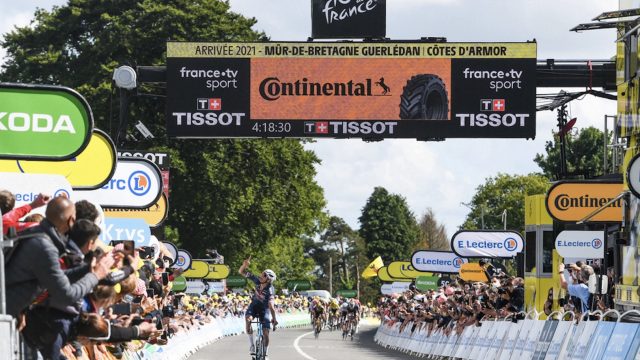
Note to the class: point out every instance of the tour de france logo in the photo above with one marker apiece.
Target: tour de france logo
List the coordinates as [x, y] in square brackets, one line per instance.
[139, 183]
[457, 262]
[596, 243]
[510, 244]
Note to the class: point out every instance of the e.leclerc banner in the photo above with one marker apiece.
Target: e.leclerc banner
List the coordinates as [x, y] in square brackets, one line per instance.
[39, 122]
[137, 183]
[369, 90]
[26, 187]
[487, 244]
[437, 261]
[91, 169]
[580, 244]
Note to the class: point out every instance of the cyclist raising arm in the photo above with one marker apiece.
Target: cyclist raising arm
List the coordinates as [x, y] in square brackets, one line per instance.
[261, 300]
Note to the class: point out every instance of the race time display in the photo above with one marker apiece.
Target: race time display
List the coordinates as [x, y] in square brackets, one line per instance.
[427, 91]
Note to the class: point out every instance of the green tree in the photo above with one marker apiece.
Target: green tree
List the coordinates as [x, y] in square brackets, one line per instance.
[433, 235]
[584, 155]
[240, 197]
[502, 193]
[388, 227]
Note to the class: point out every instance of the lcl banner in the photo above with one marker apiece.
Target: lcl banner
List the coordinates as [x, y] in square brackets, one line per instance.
[91, 169]
[572, 201]
[383, 275]
[198, 270]
[437, 261]
[580, 244]
[351, 90]
[404, 270]
[137, 183]
[487, 244]
[43, 122]
[26, 187]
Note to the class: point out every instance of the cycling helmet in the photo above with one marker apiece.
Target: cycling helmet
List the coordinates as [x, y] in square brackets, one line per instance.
[270, 275]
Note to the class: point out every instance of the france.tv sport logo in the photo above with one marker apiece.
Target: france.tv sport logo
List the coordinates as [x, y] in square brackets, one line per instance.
[510, 244]
[139, 183]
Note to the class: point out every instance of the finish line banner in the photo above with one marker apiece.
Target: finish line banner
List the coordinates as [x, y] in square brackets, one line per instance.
[427, 91]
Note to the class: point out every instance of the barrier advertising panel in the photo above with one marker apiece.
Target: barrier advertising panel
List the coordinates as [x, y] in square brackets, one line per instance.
[487, 244]
[236, 281]
[580, 244]
[26, 187]
[161, 159]
[153, 215]
[218, 272]
[404, 270]
[39, 122]
[137, 183]
[383, 275]
[437, 261]
[183, 260]
[473, 272]
[424, 283]
[91, 169]
[332, 19]
[198, 270]
[571, 201]
[351, 90]
[126, 229]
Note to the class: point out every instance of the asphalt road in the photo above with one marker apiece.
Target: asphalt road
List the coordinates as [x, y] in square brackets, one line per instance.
[300, 344]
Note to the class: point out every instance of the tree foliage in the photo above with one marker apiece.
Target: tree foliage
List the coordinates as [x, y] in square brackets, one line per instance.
[433, 235]
[388, 227]
[238, 196]
[584, 155]
[500, 193]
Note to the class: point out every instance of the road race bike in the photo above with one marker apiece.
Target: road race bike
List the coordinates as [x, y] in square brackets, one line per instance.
[348, 327]
[259, 346]
[317, 326]
[333, 322]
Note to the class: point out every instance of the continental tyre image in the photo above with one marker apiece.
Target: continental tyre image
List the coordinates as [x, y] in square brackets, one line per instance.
[424, 98]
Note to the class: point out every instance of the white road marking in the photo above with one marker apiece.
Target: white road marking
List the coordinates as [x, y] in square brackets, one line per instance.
[297, 347]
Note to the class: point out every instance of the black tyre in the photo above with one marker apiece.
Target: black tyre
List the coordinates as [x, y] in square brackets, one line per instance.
[424, 98]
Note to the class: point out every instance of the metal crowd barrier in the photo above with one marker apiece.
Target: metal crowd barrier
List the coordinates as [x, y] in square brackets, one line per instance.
[560, 336]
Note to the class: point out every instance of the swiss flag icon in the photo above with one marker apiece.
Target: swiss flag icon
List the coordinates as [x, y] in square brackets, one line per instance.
[215, 104]
[322, 127]
[499, 105]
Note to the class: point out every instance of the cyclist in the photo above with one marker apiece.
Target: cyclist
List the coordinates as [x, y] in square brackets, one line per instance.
[318, 314]
[262, 299]
[333, 312]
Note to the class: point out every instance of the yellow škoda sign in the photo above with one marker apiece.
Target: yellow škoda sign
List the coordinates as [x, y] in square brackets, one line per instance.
[154, 215]
[572, 201]
[91, 169]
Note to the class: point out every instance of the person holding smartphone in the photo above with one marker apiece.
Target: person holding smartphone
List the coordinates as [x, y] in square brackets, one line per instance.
[262, 299]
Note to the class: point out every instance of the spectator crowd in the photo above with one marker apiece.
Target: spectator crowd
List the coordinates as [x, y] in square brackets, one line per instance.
[75, 297]
[450, 308]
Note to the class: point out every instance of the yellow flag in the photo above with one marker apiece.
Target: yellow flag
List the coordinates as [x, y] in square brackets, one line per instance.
[372, 269]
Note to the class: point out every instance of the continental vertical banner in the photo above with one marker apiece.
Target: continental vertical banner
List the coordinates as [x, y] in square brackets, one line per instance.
[427, 91]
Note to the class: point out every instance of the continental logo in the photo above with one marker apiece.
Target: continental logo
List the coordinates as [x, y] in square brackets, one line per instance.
[565, 202]
[573, 201]
[272, 88]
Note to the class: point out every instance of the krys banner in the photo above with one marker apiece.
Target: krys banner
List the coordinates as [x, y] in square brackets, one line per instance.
[361, 90]
[437, 261]
[43, 122]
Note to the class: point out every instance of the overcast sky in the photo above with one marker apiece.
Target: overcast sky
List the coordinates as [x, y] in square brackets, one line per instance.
[430, 175]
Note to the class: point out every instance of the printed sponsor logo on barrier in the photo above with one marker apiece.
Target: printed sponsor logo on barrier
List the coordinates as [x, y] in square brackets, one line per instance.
[437, 261]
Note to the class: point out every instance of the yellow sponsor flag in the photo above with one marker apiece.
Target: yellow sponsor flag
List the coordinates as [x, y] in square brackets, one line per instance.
[372, 269]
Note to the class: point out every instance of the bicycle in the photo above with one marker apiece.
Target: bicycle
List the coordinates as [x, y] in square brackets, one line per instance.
[259, 347]
[348, 327]
[317, 327]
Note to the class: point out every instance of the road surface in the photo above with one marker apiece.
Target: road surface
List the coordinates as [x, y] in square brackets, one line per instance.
[293, 344]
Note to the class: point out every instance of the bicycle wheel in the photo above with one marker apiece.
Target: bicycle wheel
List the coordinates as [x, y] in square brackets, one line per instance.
[259, 347]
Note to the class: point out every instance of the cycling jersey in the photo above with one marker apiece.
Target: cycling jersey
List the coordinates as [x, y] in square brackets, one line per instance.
[260, 300]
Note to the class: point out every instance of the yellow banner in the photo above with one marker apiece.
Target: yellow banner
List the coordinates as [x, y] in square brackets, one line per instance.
[91, 169]
[218, 272]
[199, 270]
[153, 215]
[351, 50]
[372, 269]
[404, 270]
[383, 275]
[473, 272]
